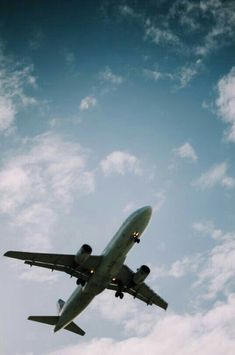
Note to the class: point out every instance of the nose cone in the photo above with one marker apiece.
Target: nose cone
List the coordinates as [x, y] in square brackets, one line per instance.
[146, 212]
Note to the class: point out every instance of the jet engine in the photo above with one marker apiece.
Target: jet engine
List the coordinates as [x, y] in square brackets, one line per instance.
[141, 274]
[83, 254]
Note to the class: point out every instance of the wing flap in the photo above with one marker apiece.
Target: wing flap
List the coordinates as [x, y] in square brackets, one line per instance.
[66, 269]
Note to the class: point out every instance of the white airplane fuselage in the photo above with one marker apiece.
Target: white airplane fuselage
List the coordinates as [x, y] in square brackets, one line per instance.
[113, 258]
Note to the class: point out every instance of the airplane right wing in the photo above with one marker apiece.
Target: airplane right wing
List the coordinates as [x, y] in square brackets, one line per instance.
[59, 262]
[141, 291]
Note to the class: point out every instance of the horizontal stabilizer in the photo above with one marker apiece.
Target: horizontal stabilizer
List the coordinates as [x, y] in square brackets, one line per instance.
[52, 320]
[72, 327]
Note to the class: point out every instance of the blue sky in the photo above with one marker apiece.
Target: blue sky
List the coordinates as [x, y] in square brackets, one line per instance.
[106, 107]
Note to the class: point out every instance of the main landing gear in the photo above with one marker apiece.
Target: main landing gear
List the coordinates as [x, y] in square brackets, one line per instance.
[80, 282]
[119, 294]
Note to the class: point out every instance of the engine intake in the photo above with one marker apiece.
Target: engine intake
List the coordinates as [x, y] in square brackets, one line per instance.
[83, 254]
[141, 274]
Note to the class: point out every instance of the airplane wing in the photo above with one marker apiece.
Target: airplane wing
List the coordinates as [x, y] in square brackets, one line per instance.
[142, 291]
[59, 262]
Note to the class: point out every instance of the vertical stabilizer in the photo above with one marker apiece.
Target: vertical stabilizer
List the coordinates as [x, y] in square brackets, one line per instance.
[60, 304]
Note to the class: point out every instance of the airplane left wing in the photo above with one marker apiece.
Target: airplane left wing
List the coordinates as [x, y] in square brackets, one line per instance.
[142, 291]
[59, 262]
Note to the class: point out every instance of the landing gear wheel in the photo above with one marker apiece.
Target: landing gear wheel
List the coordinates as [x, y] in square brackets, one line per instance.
[119, 294]
[80, 282]
[137, 240]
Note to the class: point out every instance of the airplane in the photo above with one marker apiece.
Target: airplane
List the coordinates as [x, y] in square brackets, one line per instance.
[95, 273]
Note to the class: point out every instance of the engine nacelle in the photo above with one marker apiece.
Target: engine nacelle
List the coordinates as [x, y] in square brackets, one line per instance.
[141, 274]
[83, 254]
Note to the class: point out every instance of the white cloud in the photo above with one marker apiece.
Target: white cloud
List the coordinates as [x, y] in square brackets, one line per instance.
[216, 272]
[222, 30]
[111, 308]
[182, 76]
[160, 36]
[207, 228]
[160, 199]
[157, 75]
[35, 274]
[109, 76]
[214, 269]
[7, 113]
[129, 206]
[186, 73]
[186, 151]
[87, 103]
[178, 268]
[51, 166]
[226, 103]
[14, 78]
[119, 162]
[39, 181]
[216, 32]
[126, 10]
[217, 175]
[212, 331]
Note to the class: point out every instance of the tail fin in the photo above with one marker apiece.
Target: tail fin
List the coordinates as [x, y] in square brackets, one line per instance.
[52, 320]
[60, 305]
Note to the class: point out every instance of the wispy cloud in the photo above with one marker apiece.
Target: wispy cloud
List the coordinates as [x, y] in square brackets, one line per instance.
[128, 207]
[38, 275]
[217, 175]
[87, 103]
[38, 181]
[181, 76]
[214, 33]
[207, 228]
[159, 201]
[160, 35]
[186, 151]
[14, 79]
[121, 163]
[226, 103]
[213, 269]
[108, 76]
[187, 17]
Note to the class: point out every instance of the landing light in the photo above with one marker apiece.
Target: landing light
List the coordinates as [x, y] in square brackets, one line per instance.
[113, 279]
[92, 271]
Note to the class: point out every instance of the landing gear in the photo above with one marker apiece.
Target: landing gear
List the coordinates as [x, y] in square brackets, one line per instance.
[119, 294]
[80, 282]
[135, 236]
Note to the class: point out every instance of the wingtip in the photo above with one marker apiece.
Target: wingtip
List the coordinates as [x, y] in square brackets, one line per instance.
[7, 253]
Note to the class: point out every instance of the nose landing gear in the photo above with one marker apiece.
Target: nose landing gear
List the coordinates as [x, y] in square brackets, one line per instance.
[135, 236]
